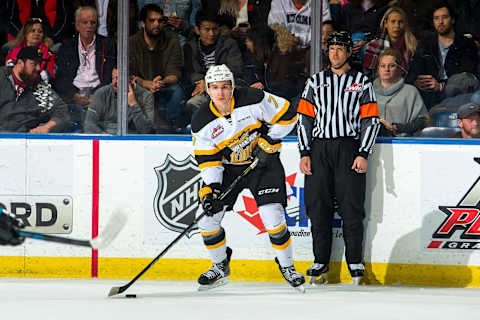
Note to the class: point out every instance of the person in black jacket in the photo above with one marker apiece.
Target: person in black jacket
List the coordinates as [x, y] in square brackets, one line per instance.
[441, 55]
[209, 48]
[79, 75]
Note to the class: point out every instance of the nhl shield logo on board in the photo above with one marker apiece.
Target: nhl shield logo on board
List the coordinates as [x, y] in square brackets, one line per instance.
[176, 199]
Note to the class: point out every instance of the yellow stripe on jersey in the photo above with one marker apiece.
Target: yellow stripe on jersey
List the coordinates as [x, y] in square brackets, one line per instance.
[277, 230]
[215, 111]
[280, 113]
[251, 127]
[205, 234]
[199, 152]
[217, 245]
[287, 122]
[282, 246]
[209, 164]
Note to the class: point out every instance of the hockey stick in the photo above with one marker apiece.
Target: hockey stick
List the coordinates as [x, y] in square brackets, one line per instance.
[117, 221]
[117, 290]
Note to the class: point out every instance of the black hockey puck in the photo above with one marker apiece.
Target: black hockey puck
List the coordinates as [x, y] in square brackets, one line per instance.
[131, 295]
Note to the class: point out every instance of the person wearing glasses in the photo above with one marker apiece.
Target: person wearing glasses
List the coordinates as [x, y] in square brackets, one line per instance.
[85, 62]
[32, 34]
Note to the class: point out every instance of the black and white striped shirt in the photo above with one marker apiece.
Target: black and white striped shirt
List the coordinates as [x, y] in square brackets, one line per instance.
[335, 106]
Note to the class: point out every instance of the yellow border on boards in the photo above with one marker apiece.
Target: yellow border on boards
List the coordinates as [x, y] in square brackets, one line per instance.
[242, 270]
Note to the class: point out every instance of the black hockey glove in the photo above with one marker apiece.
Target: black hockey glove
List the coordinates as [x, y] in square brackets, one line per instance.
[209, 198]
[266, 151]
[8, 235]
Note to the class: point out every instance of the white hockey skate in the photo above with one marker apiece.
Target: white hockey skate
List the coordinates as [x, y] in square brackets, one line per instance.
[217, 275]
[294, 278]
[317, 273]
[357, 270]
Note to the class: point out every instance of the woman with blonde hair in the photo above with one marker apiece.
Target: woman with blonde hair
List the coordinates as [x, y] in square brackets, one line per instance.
[32, 34]
[395, 33]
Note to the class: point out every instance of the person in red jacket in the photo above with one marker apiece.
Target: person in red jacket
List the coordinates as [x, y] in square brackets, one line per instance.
[32, 34]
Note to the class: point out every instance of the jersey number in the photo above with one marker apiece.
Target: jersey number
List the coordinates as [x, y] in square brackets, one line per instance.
[270, 99]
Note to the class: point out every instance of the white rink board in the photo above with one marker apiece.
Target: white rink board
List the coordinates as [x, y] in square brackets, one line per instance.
[405, 185]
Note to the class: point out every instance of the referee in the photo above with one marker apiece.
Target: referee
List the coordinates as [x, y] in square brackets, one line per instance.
[337, 126]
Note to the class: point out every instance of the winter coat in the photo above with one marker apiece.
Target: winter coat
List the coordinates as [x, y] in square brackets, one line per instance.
[402, 105]
[461, 57]
[101, 116]
[68, 62]
[32, 108]
[226, 52]
[164, 60]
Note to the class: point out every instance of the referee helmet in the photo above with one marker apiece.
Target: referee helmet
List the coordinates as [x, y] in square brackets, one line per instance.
[340, 38]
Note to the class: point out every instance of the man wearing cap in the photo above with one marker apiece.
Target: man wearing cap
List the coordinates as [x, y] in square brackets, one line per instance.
[337, 126]
[27, 104]
[469, 121]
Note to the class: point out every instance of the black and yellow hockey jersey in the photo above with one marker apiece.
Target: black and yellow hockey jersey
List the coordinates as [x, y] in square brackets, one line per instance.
[219, 139]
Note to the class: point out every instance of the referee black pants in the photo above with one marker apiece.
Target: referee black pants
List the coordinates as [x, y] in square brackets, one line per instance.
[332, 177]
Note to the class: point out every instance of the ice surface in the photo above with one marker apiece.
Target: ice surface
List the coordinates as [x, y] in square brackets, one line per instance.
[67, 299]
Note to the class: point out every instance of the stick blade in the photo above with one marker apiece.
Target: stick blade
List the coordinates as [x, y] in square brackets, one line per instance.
[114, 291]
[115, 224]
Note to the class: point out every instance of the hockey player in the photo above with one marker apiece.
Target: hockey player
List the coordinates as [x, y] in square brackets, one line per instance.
[235, 126]
[337, 126]
[8, 234]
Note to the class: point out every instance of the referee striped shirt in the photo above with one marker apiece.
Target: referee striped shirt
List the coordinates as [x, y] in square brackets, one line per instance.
[335, 106]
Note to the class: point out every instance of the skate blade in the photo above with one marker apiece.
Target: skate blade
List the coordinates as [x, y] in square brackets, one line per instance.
[219, 283]
[317, 281]
[300, 288]
[356, 281]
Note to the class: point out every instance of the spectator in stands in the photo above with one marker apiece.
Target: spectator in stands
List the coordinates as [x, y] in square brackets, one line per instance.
[469, 121]
[180, 13]
[101, 116]
[32, 34]
[26, 103]
[52, 12]
[296, 16]
[441, 55]
[155, 57]
[419, 14]
[395, 33]
[209, 48]
[400, 105]
[85, 62]
[281, 66]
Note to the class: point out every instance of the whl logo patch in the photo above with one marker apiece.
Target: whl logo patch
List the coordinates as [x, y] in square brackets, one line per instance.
[176, 199]
[462, 219]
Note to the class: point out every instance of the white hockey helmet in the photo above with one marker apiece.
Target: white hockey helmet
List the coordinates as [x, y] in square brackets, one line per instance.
[218, 73]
